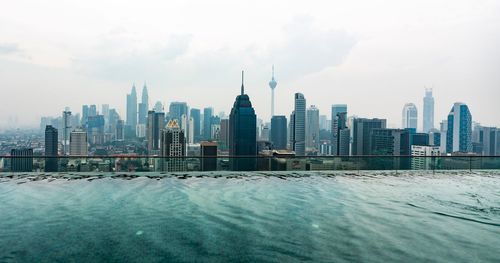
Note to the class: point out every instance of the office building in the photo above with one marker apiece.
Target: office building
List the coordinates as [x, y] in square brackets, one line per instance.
[312, 129]
[51, 149]
[132, 111]
[423, 157]
[120, 130]
[95, 130]
[298, 122]
[207, 123]
[428, 118]
[224, 135]
[410, 116]
[143, 106]
[66, 130]
[208, 153]
[459, 132]
[173, 147]
[21, 160]
[155, 123]
[279, 132]
[340, 132]
[196, 127]
[361, 133]
[242, 133]
[78, 144]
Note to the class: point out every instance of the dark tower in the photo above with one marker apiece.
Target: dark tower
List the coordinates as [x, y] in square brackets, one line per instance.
[51, 151]
[242, 133]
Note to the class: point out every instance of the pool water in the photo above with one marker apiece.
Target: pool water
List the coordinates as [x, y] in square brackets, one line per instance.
[251, 217]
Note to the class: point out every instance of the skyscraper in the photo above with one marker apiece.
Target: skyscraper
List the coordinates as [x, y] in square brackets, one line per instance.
[95, 129]
[428, 119]
[78, 144]
[312, 129]
[195, 114]
[242, 133]
[272, 85]
[298, 135]
[278, 132]
[176, 110]
[410, 116]
[173, 144]
[66, 130]
[207, 123]
[144, 105]
[339, 123]
[340, 135]
[459, 133]
[51, 149]
[85, 115]
[155, 123]
[362, 129]
[132, 110]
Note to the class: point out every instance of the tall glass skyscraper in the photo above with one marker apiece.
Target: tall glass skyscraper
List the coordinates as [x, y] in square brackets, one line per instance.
[207, 123]
[428, 119]
[339, 125]
[459, 133]
[195, 115]
[278, 132]
[312, 128]
[298, 128]
[410, 116]
[242, 133]
[51, 148]
[132, 110]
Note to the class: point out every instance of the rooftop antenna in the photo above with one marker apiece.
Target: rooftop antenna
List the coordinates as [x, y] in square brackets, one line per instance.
[242, 79]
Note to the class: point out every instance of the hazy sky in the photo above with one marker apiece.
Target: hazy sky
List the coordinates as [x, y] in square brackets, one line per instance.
[373, 55]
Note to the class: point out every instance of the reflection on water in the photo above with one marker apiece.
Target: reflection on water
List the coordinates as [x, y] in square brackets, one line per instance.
[253, 217]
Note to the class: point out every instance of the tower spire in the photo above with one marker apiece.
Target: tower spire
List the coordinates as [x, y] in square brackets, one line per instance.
[273, 71]
[242, 80]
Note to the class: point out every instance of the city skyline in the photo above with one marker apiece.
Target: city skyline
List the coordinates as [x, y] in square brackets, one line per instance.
[339, 54]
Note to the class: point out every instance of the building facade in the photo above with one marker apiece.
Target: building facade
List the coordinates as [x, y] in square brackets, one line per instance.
[459, 132]
[51, 149]
[242, 134]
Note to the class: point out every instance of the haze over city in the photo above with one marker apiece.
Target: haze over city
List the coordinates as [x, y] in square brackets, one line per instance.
[374, 56]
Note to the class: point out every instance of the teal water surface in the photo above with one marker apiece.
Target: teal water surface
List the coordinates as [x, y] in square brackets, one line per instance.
[250, 217]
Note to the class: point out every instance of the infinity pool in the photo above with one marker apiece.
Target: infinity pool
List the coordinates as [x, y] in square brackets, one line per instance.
[251, 217]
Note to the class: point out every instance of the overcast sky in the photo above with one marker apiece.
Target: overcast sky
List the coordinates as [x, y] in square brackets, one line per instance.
[373, 55]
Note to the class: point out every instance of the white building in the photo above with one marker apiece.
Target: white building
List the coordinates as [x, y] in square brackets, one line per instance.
[422, 157]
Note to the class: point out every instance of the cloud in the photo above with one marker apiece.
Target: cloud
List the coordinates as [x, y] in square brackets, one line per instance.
[305, 49]
[9, 48]
[114, 60]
